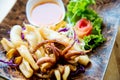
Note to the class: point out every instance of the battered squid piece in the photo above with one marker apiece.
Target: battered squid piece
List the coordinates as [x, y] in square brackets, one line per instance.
[66, 72]
[25, 53]
[45, 66]
[45, 59]
[26, 69]
[57, 74]
[15, 36]
[83, 59]
[49, 34]
[11, 53]
[40, 53]
[32, 35]
[7, 45]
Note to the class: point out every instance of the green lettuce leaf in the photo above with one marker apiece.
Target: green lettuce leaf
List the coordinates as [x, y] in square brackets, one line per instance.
[77, 9]
[93, 41]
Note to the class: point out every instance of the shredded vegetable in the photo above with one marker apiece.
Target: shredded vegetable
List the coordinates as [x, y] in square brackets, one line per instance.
[63, 30]
[80, 69]
[9, 63]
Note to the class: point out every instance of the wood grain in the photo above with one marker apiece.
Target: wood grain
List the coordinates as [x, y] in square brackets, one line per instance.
[113, 70]
[117, 50]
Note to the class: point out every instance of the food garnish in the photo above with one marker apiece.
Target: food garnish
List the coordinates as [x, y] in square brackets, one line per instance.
[83, 28]
[80, 9]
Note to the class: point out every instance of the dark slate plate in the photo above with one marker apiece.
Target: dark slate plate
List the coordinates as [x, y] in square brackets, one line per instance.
[109, 10]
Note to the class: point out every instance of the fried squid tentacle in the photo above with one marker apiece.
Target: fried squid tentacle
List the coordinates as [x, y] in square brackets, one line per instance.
[47, 41]
[45, 59]
[42, 43]
[67, 48]
[73, 53]
[57, 52]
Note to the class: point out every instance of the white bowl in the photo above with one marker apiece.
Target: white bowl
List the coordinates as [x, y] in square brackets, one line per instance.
[32, 3]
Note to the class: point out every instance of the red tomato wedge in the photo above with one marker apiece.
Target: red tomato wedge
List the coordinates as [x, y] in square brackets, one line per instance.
[83, 28]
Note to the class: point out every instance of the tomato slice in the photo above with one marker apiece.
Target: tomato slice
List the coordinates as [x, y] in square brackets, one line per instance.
[82, 23]
[83, 27]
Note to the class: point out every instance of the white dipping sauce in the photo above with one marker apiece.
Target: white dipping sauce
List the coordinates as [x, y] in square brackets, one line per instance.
[46, 14]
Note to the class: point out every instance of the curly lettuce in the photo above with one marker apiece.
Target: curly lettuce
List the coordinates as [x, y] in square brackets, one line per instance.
[77, 9]
[93, 41]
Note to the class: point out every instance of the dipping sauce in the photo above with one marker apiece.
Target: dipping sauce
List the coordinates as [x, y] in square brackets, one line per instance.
[46, 14]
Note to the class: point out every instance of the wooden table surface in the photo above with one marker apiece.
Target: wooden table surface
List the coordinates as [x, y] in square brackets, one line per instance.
[113, 70]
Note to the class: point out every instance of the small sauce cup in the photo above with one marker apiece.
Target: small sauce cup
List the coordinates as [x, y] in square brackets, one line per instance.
[45, 12]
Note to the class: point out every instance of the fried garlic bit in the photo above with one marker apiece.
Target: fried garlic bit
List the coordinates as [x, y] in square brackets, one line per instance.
[18, 60]
[58, 26]
[11, 53]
